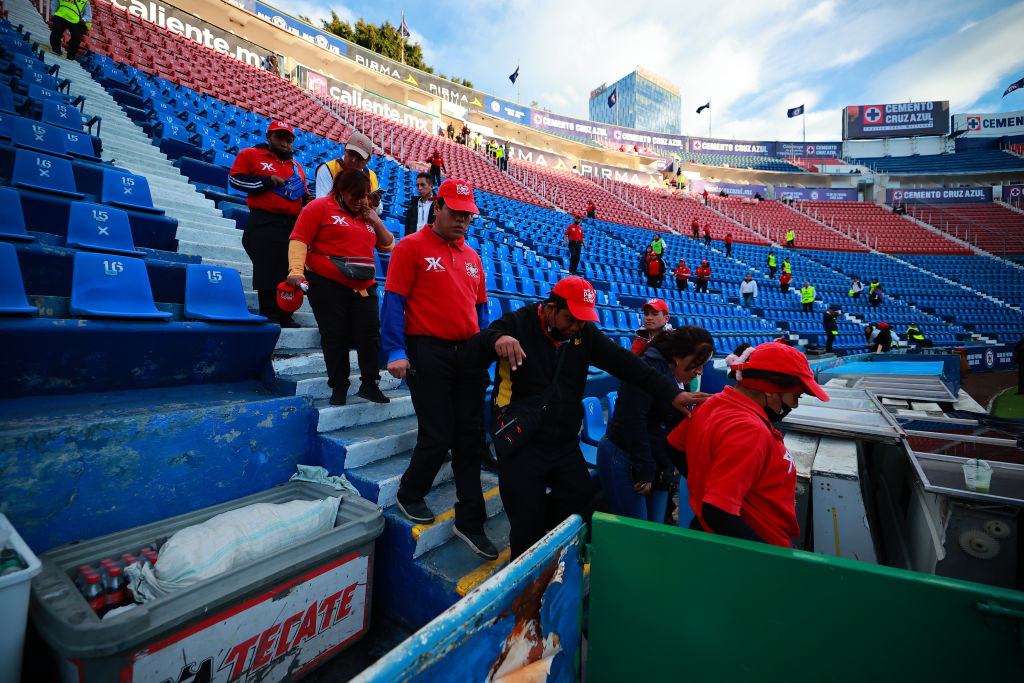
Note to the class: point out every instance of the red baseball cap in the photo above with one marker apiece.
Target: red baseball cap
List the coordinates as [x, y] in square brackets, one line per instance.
[279, 125]
[288, 298]
[457, 195]
[656, 304]
[580, 295]
[782, 359]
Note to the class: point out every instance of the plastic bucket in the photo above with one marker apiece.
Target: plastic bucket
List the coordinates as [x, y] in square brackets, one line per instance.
[14, 592]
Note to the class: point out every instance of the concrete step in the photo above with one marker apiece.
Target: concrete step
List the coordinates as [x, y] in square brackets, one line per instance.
[379, 481]
[304, 362]
[243, 267]
[458, 570]
[315, 384]
[214, 252]
[346, 449]
[208, 237]
[359, 411]
[298, 339]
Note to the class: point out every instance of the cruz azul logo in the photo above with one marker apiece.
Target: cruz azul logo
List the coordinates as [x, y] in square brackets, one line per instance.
[472, 271]
[873, 114]
[589, 296]
[990, 358]
[434, 264]
[973, 123]
[897, 195]
[463, 190]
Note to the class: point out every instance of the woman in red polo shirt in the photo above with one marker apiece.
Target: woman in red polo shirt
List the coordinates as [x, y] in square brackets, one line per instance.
[741, 478]
[332, 247]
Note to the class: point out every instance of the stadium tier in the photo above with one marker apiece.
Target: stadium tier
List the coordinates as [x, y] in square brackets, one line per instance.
[883, 230]
[751, 162]
[968, 161]
[776, 219]
[993, 227]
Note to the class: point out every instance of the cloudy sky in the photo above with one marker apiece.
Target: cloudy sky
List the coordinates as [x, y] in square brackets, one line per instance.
[751, 58]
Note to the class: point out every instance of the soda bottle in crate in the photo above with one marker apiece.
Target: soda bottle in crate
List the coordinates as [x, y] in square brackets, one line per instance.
[94, 593]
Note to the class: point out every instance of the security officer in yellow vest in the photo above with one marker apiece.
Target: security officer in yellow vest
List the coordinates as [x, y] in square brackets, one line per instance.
[807, 297]
[771, 265]
[73, 16]
[358, 151]
[791, 238]
[917, 338]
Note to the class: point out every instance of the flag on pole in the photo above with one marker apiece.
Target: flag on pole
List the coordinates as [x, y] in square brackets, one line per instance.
[1017, 85]
[703, 107]
[405, 28]
[613, 98]
[515, 74]
[795, 111]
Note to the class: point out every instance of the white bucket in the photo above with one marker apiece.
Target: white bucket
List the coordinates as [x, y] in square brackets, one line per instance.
[14, 592]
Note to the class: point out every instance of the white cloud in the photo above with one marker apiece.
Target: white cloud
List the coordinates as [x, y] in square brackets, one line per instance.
[318, 11]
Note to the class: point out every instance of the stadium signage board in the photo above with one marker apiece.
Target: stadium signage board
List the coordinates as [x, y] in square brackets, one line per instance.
[898, 120]
[989, 125]
[504, 109]
[327, 86]
[1013, 193]
[323, 39]
[600, 132]
[733, 190]
[940, 195]
[746, 148]
[183, 23]
[617, 173]
[816, 194]
[809, 150]
[533, 155]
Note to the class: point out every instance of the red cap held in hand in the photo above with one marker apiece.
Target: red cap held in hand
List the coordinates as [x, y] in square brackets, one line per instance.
[289, 298]
[581, 297]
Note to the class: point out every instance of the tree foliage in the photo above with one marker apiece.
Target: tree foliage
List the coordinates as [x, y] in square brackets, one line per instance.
[385, 40]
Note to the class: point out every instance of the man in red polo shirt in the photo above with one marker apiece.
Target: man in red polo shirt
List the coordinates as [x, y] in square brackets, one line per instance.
[741, 478]
[436, 166]
[275, 187]
[728, 244]
[695, 228]
[574, 240]
[435, 298]
[591, 209]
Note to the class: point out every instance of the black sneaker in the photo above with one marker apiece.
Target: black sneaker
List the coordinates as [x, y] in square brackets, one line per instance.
[339, 397]
[372, 392]
[417, 512]
[478, 543]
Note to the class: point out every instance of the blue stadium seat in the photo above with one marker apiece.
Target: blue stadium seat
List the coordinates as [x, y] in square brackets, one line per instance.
[12, 220]
[62, 115]
[124, 189]
[215, 293]
[6, 124]
[6, 99]
[612, 397]
[493, 309]
[100, 228]
[593, 421]
[29, 134]
[80, 145]
[51, 174]
[12, 289]
[112, 286]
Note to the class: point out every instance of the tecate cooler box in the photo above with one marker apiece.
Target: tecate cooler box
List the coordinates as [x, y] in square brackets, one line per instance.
[274, 620]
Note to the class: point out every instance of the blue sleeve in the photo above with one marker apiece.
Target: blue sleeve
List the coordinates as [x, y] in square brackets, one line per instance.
[392, 326]
[483, 318]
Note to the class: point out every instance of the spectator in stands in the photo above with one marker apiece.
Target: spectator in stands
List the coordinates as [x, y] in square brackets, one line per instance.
[1018, 358]
[873, 285]
[917, 338]
[658, 245]
[682, 273]
[831, 326]
[655, 271]
[879, 337]
[73, 16]
[420, 209]
[876, 296]
[504, 155]
[271, 64]
[633, 463]
[450, 131]
[358, 150]
[748, 290]
[740, 476]
[787, 267]
[573, 239]
[772, 267]
[695, 228]
[332, 248]
[436, 167]
[591, 209]
[645, 260]
[435, 299]
[464, 134]
[807, 297]
[704, 196]
[784, 281]
[703, 275]
[791, 238]
[275, 187]
[671, 182]
[707, 234]
[728, 244]
[545, 479]
[723, 193]
[655, 313]
[856, 288]
[499, 157]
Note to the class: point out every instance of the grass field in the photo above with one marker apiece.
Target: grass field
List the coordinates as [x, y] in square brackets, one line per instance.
[1009, 404]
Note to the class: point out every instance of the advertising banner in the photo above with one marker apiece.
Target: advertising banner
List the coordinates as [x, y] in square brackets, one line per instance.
[353, 96]
[624, 175]
[532, 155]
[809, 150]
[195, 29]
[940, 195]
[666, 141]
[436, 86]
[327, 41]
[1013, 193]
[816, 194]
[989, 125]
[733, 190]
[900, 120]
[732, 147]
[507, 110]
[990, 358]
[602, 132]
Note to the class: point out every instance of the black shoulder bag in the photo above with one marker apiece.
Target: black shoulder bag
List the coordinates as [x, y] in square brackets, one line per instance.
[512, 426]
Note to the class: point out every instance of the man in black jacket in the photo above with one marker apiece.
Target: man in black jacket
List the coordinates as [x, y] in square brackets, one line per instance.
[525, 343]
[831, 327]
[420, 211]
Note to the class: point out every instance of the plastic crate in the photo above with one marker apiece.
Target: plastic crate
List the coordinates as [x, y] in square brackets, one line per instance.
[272, 621]
[14, 592]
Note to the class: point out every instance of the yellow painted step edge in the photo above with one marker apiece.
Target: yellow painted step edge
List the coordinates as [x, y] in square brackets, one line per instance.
[446, 515]
[478, 575]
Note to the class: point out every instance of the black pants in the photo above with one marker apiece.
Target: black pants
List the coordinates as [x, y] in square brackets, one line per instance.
[784, 289]
[771, 271]
[695, 234]
[525, 477]
[707, 241]
[808, 307]
[791, 244]
[574, 255]
[448, 396]
[77, 31]
[728, 250]
[682, 283]
[831, 339]
[702, 285]
[590, 215]
[346, 320]
[265, 240]
[435, 174]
